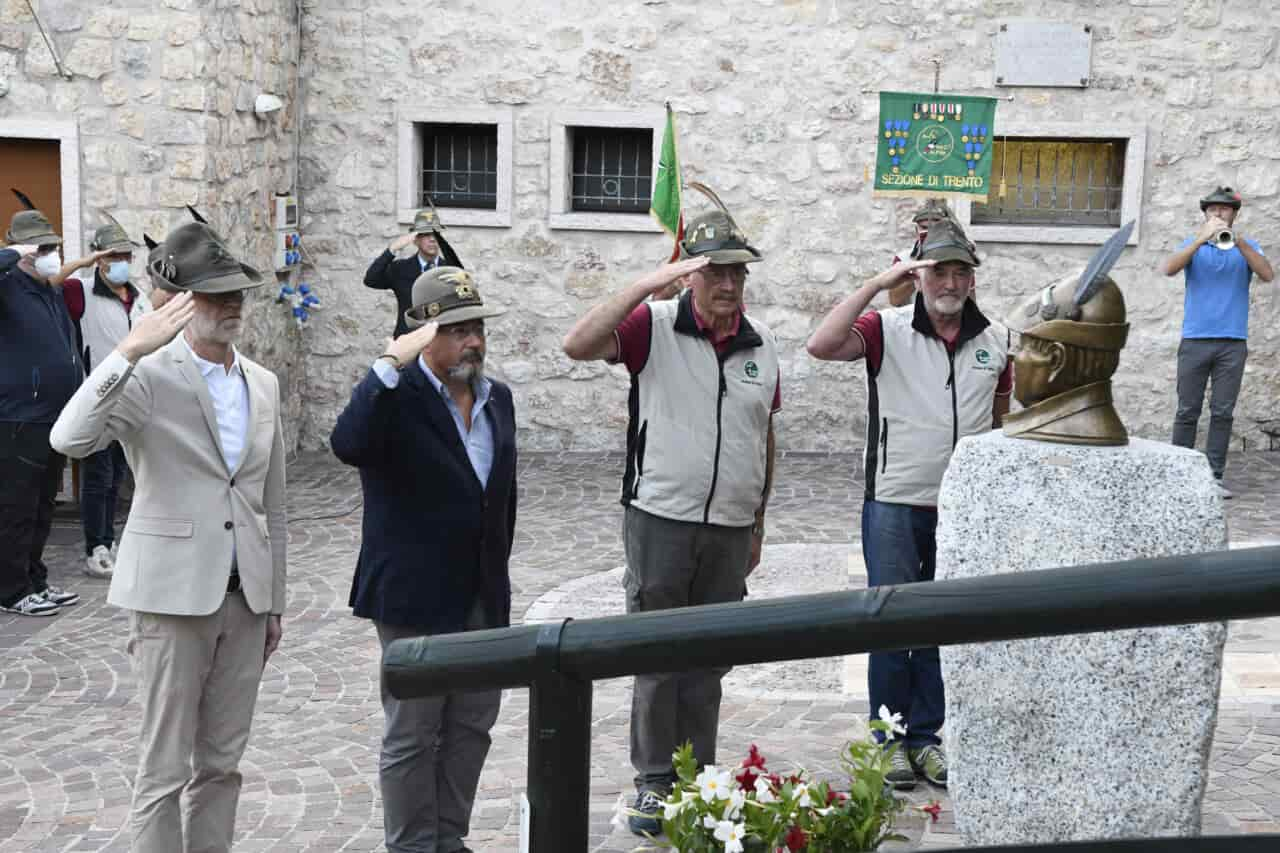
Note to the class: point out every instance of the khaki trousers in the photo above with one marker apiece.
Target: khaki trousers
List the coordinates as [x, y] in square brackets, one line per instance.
[197, 683]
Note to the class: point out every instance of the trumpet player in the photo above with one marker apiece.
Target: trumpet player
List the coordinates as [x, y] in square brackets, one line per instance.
[1220, 262]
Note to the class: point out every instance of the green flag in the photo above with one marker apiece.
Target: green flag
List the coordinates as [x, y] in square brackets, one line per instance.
[934, 145]
[664, 204]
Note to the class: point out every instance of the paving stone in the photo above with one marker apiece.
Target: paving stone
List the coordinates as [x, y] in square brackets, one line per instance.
[310, 772]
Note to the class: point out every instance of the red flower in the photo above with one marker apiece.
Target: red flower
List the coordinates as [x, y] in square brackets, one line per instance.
[796, 839]
[933, 810]
[832, 796]
[747, 776]
[754, 758]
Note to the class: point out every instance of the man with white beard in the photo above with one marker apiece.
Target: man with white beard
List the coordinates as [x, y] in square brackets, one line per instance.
[937, 371]
[435, 442]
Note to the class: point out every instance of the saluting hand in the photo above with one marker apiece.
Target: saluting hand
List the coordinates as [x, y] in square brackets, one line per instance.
[156, 328]
[406, 348]
[664, 282]
[900, 272]
[402, 241]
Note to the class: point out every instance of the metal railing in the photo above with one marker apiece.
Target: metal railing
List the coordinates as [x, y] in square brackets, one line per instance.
[559, 661]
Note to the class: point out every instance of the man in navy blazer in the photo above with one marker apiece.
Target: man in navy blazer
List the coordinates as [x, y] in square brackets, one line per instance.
[434, 440]
[398, 276]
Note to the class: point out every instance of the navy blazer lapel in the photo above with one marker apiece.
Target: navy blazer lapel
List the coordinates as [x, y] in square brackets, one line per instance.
[502, 416]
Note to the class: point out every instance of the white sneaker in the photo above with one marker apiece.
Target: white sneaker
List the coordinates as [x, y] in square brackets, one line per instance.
[1226, 493]
[32, 605]
[99, 564]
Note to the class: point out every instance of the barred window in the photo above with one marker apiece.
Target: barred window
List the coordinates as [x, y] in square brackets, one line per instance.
[1055, 182]
[460, 165]
[612, 169]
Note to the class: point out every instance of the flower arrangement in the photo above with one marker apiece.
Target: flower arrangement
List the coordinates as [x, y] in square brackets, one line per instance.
[753, 810]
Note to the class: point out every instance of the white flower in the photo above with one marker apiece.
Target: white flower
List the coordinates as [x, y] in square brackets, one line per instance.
[802, 796]
[736, 801]
[895, 723]
[709, 821]
[714, 784]
[670, 810]
[764, 791]
[731, 834]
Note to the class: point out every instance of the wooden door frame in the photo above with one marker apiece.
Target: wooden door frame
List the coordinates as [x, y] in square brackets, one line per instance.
[67, 134]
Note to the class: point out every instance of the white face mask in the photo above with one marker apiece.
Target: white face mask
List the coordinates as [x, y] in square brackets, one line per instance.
[48, 265]
[118, 272]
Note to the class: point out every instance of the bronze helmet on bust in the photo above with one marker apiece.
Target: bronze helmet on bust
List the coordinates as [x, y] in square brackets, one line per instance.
[1071, 338]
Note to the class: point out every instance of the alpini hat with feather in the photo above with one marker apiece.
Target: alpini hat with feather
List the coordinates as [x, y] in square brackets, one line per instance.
[716, 235]
[30, 226]
[111, 237]
[193, 257]
[447, 295]
[1085, 310]
[1222, 195]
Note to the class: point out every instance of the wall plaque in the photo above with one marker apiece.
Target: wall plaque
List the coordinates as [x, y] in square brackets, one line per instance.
[1043, 53]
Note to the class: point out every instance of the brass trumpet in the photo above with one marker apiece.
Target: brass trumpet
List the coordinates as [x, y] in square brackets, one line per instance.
[1224, 240]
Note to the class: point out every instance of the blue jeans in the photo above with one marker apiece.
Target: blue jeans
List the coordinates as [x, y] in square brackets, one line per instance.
[100, 477]
[898, 546]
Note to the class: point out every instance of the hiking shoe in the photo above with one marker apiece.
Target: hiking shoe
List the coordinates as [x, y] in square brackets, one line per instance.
[100, 564]
[31, 605]
[900, 776]
[931, 763]
[1225, 493]
[59, 597]
[644, 819]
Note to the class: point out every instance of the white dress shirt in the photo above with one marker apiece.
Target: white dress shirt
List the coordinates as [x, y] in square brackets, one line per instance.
[478, 440]
[230, 396]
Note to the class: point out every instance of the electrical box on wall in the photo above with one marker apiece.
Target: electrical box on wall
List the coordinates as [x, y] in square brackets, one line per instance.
[288, 250]
[288, 243]
[285, 215]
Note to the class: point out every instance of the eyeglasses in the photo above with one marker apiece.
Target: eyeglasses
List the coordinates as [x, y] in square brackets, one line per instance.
[735, 273]
[462, 331]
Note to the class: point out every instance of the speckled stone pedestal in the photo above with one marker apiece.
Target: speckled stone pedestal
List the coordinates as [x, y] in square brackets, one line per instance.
[1094, 736]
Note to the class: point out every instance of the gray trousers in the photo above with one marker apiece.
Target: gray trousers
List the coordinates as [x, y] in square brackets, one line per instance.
[678, 564]
[1199, 361]
[197, 684]
[432, 752]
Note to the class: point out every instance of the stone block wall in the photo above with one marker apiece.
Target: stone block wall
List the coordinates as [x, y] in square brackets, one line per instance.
[163, 94]
[776, 105]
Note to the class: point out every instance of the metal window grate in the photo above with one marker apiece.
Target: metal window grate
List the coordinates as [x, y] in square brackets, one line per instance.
[1072, 182]
[612, 169]
[460, 165]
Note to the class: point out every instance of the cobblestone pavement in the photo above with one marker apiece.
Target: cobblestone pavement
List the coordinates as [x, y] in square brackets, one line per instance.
[69, 720]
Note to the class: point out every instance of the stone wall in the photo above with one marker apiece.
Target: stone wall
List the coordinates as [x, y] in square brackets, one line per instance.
[163, 96]
[776, 106]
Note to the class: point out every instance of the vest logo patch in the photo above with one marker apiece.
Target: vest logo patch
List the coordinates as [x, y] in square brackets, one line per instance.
[982, 356]
[751, 370]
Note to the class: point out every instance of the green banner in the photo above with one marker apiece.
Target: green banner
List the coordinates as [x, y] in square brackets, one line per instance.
[934, 145]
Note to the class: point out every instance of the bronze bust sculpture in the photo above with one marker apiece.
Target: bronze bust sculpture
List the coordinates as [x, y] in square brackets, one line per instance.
[1074, 331]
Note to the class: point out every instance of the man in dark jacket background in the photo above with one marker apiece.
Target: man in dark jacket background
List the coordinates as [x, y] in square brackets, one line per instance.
[39, 371]
[434, 440]
[398, 276]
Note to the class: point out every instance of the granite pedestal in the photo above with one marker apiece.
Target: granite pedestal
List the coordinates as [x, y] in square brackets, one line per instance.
[1101, 735]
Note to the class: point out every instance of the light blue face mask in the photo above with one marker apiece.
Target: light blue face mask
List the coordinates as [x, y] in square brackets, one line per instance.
[118, 272]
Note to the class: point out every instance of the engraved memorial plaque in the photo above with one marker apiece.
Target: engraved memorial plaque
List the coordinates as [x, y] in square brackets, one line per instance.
[1043, 53]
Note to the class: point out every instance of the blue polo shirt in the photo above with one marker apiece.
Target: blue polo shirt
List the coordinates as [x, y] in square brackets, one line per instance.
[1217, 300]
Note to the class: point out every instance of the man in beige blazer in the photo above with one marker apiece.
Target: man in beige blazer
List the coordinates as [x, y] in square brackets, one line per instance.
[202, 561]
